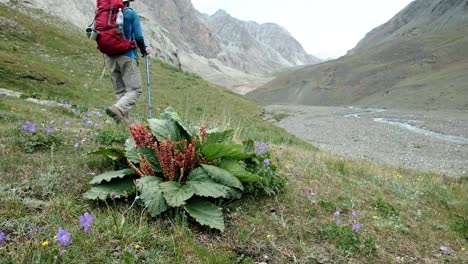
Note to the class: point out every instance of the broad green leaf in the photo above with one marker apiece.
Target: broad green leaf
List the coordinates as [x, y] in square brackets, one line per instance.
[130, 151]
[151, 156]
[238, 170]
[219, 137]
[151, 195]
[129, 144]
[204, 186]
[165, 129]
[222, 176]
[110, 175]
[206, 213]
[121, 187]
[171, 115]
[175, 193]
[111, 153]
[234, 194]
[193, 130]
[222, 150]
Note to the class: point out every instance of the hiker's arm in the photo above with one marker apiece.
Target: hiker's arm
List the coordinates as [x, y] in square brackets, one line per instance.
[138, 34]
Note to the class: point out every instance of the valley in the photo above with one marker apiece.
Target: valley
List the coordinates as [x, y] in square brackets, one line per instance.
[434, 141]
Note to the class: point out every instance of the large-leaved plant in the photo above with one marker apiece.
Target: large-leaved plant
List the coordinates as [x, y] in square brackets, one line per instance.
[172, 165]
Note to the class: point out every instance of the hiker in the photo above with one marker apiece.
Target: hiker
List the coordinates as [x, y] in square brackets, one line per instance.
[124, 70]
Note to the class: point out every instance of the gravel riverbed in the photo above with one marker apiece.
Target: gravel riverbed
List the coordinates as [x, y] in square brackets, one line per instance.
[434, 141]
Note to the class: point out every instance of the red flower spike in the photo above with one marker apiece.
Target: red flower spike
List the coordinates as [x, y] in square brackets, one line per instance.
[174, 163]
[203, 133]
[146, 167]
[142, 136]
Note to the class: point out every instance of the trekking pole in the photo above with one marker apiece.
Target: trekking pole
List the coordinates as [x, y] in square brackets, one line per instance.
[148, 82]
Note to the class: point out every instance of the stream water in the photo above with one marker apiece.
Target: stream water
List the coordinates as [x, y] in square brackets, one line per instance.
[449, 138]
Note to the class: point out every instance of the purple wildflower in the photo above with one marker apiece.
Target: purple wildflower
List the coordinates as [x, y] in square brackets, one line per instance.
[34, 231]
[337, 213]
[314, 202]
[67, 123]
[87, 229]
[77, 145]
[445, 249]
[48, 130]
[266, 162]
[52, 124]
[64, 237]
[88, 122]
[293, 170]
[75, 111]
[97, 126]
[29, 127]
[2, 238]
[61, 253]
[339, 222]
[114, 195]
[86, 220]
[354, 213]
[356, 227]
[262, 148]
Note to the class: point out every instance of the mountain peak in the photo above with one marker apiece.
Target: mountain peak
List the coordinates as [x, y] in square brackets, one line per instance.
[221, 12]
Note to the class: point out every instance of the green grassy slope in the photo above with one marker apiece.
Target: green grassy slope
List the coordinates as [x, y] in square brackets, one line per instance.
[425, 72]
[404, 216]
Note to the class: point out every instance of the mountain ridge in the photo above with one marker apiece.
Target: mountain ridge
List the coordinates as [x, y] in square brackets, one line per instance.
[419, 17]
[424, 68]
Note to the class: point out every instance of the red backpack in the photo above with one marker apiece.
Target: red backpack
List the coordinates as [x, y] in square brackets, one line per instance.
[110, 41]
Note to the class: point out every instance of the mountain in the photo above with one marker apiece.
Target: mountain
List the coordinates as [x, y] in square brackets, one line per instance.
[419, 18]
[185, 38]
[415, 60]
[257, 48]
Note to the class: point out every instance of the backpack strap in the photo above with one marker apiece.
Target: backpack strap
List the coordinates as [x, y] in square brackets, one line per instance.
[111, 11]
[94, 19]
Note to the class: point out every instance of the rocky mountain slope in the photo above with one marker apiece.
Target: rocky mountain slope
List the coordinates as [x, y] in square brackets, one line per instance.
[419, 18]
[182, 36]
[269, 45]
[415, 60]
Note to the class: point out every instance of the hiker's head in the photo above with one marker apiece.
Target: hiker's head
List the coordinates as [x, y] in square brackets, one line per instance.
[127, 2]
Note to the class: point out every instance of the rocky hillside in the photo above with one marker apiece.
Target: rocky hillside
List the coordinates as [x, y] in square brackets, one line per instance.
[182, 36]
[415, 60]
[419, 18]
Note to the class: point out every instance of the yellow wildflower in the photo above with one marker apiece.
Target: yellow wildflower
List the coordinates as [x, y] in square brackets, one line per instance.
[462, 249]
[136, 246]
[375, 217]
[45, 243]
[268, 236]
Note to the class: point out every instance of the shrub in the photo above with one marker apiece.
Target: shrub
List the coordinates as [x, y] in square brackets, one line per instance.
[173, 166]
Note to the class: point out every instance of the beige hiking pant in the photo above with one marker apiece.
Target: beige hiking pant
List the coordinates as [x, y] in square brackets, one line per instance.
[126, 79]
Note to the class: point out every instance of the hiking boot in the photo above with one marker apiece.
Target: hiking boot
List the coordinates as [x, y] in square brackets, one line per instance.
[116, 114]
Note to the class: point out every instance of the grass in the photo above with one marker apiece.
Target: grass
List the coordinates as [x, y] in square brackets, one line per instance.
[405, 216]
